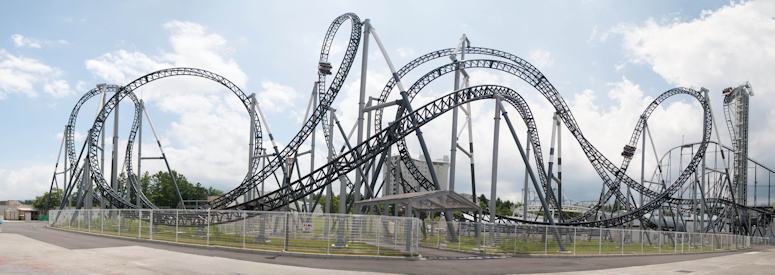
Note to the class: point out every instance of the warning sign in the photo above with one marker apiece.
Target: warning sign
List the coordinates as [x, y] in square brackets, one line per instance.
[307, 227]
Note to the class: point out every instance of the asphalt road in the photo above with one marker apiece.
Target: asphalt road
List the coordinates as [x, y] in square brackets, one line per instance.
[71, 240]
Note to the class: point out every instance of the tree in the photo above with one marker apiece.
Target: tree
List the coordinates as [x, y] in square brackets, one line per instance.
[334, 202]
[213, 192]
[502, 208]
[160, 189]
[48, 200]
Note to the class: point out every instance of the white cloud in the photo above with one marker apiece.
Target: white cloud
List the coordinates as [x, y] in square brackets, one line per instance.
[21, 41]
[122, 66]
[207, 136]
[720, 48]
[406, 52]
[276, 97]
[541, 58]
[58, 88]
[25, 183]
[26, 76]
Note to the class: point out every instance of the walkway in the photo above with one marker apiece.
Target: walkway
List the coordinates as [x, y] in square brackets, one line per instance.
[83, 253]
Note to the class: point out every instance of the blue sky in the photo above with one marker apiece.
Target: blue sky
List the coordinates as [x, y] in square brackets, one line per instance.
[595, 52]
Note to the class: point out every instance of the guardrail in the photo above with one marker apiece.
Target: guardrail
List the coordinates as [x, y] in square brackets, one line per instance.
[515, 239]
[292, 232]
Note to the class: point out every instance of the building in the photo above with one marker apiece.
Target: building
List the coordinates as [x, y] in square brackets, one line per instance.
[15, 210]
[393, 187]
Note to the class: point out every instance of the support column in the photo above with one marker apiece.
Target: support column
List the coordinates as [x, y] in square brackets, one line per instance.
[103, 97]
[87, 185]
[643, 162]
[532, 177]
[361, 104]
[559, 168]
[408, 225]
[549, 175]
[453, 139]
[251, 145]
[329, 189]
[494, 175]
[114, 156]
[138, 202]
[526, 187]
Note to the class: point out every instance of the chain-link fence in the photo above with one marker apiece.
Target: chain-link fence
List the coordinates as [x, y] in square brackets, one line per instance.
[258, 230]
[514, 239]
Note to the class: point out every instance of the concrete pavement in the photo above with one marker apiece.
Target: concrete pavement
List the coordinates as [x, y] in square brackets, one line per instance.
[184, 255]
[23, 255]
[750, 263]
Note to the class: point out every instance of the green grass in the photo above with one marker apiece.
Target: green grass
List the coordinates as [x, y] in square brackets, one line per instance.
[533, 245]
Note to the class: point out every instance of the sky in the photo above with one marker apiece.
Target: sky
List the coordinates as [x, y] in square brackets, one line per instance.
[608, 59]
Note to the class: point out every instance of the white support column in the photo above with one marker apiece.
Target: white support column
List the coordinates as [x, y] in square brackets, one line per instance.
[114, 156]
[361, 105]
[494, 175]
[138, 201]
[526, 186]
[251, 145]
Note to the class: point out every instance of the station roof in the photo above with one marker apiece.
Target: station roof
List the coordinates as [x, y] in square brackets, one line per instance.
[426, 200]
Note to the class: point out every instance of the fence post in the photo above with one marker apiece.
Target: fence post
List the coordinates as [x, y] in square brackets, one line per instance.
[660, 242]
[438, 237]
[177, 221]
[208, 227]
[546, 239]
[459, 235]
[140, 224]
[102, 220]
[285, 241]
[379, 225]
[702, 242]
[621, 231]
[515, 239]
[150, 228]
[642, 251]
[675, 242]
[395, 233]
[119, 222]
[600, 241]
[89, 220]
[244, 227]
[574, 241]
[328, 234]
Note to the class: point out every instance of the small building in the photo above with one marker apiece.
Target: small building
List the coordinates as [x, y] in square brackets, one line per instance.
[15, 210]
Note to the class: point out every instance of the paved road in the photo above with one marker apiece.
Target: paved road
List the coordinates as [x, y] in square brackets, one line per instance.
[750, 263]
[70, 240]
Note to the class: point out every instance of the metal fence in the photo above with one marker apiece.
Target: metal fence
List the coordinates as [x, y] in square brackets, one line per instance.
[257, 230]
[514, 239]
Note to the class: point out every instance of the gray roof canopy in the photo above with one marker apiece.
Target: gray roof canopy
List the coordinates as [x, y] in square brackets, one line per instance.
[427, 200]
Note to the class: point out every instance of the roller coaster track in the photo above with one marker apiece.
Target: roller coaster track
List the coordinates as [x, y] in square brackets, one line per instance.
[532, 76]
[70, 140]
[612, 176]
[325, 100]
[113, 196]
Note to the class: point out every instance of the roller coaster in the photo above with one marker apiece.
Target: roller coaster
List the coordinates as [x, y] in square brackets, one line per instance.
[712, 198]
